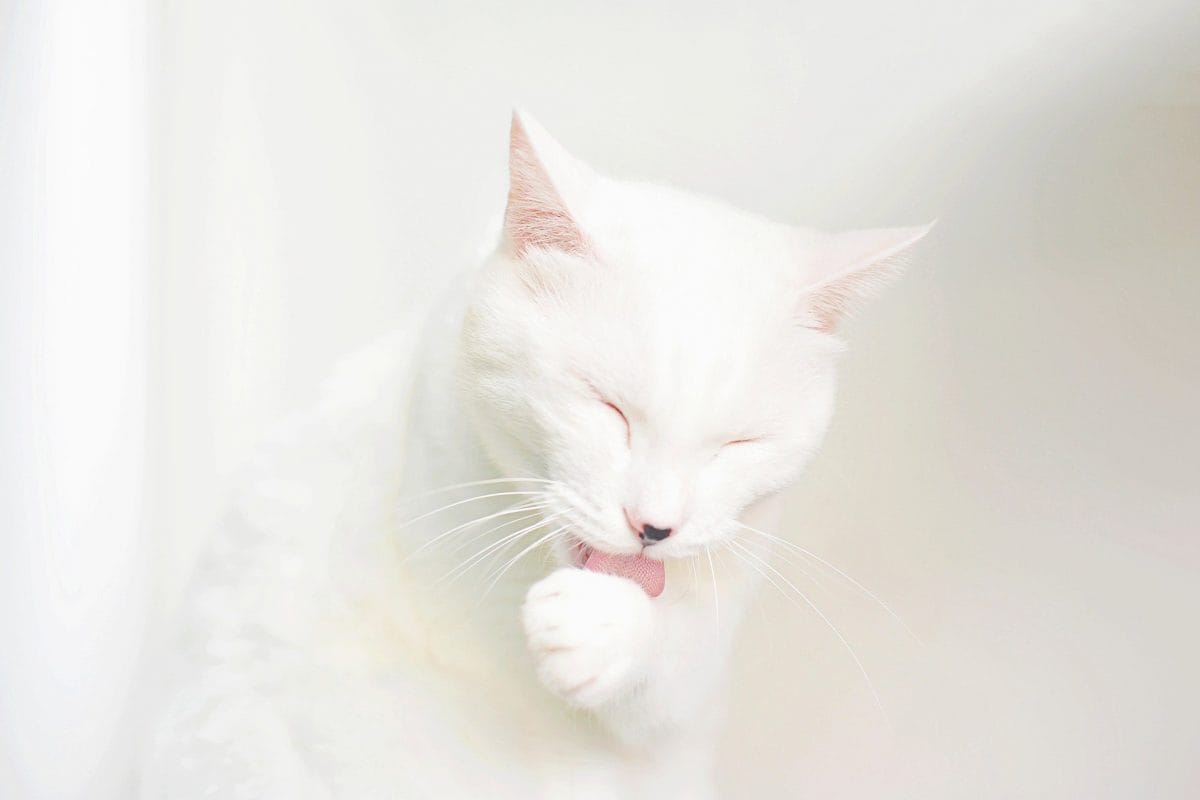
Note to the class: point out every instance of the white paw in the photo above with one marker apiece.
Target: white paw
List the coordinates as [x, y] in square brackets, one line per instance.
[590, 634]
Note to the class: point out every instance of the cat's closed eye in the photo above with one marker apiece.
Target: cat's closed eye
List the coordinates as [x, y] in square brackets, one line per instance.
[621, 414]
[600, 396]
[743, 440]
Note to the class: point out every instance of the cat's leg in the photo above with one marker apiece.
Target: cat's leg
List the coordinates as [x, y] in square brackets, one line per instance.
[648, 669]
[592, 635]
[645, 666]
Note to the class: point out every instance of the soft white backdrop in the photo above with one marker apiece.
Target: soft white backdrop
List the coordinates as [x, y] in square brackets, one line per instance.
[1014, 464]
[75, 391]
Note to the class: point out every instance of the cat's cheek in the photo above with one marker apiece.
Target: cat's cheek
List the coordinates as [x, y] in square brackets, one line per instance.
[590, 634]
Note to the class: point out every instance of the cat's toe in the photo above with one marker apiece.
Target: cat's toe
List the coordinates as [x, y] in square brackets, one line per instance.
[589, 634]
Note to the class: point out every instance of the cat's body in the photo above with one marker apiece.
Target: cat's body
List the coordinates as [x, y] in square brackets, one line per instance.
[320, 667]
[353, 634]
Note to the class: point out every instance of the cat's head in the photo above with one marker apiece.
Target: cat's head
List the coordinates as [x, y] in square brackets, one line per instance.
[666, 359]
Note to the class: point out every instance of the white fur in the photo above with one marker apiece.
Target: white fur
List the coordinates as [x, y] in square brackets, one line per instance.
[326, 653]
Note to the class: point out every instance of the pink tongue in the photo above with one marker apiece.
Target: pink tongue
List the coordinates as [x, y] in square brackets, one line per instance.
[645, 572]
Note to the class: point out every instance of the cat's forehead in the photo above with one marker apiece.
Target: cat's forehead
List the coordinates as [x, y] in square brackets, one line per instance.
[683, 296]
[657, 229]
[694, 358]
[688, 269]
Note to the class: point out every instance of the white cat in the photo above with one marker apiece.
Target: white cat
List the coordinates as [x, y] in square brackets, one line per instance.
[484, 566]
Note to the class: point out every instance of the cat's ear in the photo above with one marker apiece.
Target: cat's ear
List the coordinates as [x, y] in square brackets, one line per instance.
[846, 267]
[543, 179]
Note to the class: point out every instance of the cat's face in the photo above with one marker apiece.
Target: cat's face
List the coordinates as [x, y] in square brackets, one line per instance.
[665, 359]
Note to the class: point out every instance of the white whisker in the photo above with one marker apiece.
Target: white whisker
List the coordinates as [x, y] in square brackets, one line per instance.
[583, 515]
[757, 596]
[470, 484]
[479, 556]
[535, 509]
[516, 508]
[814, 557]
[716, 594]
[513, 561]
[849, 648]
[457, 503]
[502, 552]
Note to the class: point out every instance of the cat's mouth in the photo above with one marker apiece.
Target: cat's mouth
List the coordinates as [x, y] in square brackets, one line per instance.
[649, 573]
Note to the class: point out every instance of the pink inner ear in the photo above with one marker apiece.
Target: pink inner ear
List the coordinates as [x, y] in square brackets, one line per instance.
[829, 304]
[537, 224]
[856, 264]
[536, 216]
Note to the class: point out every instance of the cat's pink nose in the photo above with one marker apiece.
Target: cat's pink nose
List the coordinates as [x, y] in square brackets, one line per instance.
[648, 533]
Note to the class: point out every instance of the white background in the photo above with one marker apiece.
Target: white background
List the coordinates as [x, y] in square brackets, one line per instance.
[204, 204]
